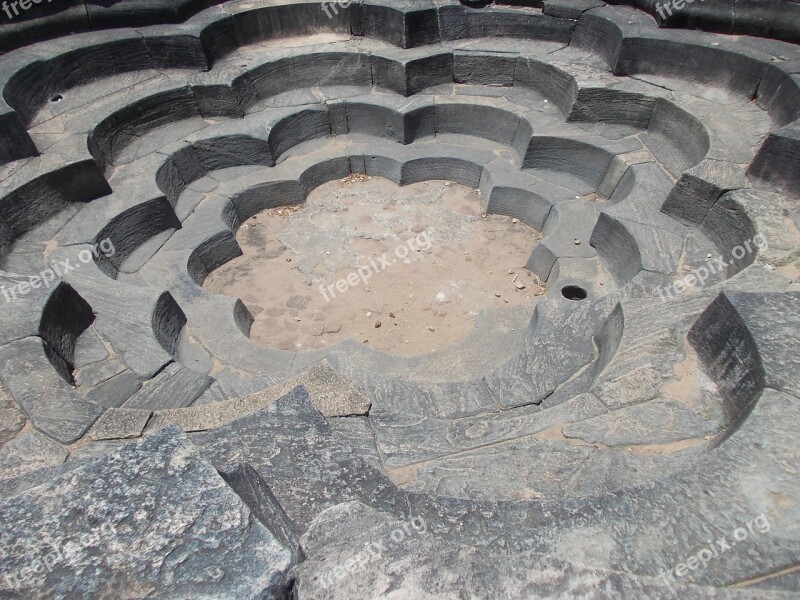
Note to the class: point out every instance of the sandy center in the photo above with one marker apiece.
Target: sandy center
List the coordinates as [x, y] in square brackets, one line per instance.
[402, 270]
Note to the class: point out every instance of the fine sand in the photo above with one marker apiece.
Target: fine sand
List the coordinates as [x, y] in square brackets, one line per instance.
[403, 270]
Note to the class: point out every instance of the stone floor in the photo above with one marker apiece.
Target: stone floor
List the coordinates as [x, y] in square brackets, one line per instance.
[599, 393]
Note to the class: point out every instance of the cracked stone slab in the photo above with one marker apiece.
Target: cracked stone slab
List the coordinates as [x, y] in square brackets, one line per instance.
[114, 392]
[120, 424]
[659, 421]
[12, 419]
[175, 387]
[51, 404]
[332, 395]
[21, 314]
[292, 447]
[510, 424]
[89, 349]
[103, 527]
[29, 452]
[524, 469]
[379, 555]
[98, 372]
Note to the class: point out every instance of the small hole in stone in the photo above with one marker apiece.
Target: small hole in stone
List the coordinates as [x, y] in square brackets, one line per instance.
[573, 292]
[57, 98]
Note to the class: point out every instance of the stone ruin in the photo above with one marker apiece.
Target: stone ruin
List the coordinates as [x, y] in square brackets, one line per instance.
[634, 437]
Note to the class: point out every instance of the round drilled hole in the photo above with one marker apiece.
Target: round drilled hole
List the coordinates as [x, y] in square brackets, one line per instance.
[573, 292]
[57, 98]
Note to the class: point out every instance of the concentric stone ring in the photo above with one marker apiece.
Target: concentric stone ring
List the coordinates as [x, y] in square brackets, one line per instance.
[599, 441]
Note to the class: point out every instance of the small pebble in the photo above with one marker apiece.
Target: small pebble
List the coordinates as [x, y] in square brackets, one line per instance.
[391, 315]
[497, 294]
[377, 325]
[431, 329]
[577, 242]
[519, 286]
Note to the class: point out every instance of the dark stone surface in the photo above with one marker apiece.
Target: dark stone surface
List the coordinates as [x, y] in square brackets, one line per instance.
[293, 449]
[156, 501]
[778, 158]
[372, 547]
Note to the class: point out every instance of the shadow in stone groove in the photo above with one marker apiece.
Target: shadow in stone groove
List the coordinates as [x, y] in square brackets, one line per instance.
[167, 321]
[65, 317]
[729, 355]
[256, 493]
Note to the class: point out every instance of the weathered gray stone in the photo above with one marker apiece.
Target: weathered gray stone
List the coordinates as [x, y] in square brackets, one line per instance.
[479, 431]
[21, 313]
[569, 9]
[116, 391]
[156, 501]
[774, 322]
[51, 404]
[373, 549]
[12, 419]
[133, 320]
[29, 452]
[175, 387]
[96, 373]
[315, 470]
[89, 349]
[658, 421]
[516, 470]
[120, 424]
[332, 395]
